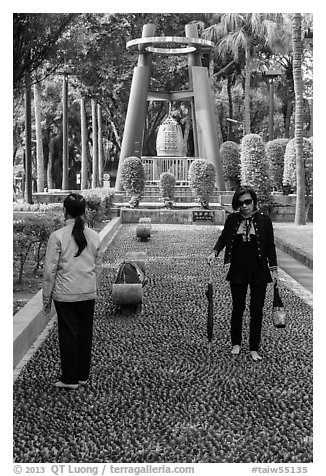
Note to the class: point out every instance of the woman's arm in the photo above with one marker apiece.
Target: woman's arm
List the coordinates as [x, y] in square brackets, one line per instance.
[220, 244]
[98, 262]
[270, 247]
[51, 262]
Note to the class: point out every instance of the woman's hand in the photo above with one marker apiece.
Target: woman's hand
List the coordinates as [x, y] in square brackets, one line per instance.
[47, 309]
[274, 275]
[211, 258]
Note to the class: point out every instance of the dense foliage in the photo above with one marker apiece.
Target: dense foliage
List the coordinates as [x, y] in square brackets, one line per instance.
[254, 168]
[230, 156]
[92, 49]
[32, 228]
[167, 186]
[275, 151]
[133, 179]
[30, 237]
[202, 180]
[289, 175]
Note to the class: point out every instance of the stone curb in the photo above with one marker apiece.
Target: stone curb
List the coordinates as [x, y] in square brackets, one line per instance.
[29, 322]
[303, 258]
[296, 287]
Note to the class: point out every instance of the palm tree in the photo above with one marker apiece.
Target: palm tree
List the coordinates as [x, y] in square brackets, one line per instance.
[282, 56]
[239, 32]
[300, 216]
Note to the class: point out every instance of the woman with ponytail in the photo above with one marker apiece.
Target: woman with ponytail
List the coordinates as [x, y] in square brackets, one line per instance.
[72, 268]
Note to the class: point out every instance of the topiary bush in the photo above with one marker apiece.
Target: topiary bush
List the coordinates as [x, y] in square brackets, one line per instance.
[201, 178]
[133, 179]
[230, 155]
[289, 174]
[275, 150]
[167, 185]
[254, 169]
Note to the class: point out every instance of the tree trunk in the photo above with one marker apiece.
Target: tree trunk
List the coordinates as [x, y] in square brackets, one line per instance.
[311, 130]
[246, 112]
[300, 215]
[28, 141]
[215, 111]
[229, 90]
[65, 158]
[186, 135]
[83, 181]
[115, 132]
[100, 146]
[95, 148]
[49, 176]
[39, 139]
[288, 115]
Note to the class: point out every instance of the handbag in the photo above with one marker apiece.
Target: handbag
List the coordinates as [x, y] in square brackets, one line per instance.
[278, 312]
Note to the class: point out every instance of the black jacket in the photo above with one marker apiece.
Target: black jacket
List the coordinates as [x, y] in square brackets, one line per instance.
[264, 236]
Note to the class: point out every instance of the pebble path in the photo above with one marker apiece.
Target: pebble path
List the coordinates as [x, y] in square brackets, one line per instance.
[158, 392]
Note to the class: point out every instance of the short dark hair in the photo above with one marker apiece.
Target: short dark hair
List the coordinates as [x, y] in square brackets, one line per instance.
[241, 191]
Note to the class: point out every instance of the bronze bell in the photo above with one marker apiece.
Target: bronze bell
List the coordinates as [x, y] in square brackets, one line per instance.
[169, 140]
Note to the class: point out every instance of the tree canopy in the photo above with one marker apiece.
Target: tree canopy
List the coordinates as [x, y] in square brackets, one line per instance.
[91, 47]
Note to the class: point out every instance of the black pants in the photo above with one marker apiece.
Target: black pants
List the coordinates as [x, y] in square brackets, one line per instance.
[75, 326]
[257, 299]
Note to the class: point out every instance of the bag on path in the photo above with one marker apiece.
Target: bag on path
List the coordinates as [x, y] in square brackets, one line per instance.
[278, 312]
[130, 273]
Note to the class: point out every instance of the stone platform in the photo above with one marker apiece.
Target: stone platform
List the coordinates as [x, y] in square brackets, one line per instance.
[188, 216]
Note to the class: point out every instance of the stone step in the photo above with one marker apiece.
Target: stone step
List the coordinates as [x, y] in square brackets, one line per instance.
[116, 206]
[177, 192]
[155, 196]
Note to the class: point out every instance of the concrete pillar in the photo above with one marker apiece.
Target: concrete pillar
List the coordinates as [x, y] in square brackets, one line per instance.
[193, 60]
[132, 142]
[206, 128]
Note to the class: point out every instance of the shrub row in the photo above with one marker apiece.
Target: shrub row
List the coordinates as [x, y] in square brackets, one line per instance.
[240, 162]
[30, 237]
[32, 230]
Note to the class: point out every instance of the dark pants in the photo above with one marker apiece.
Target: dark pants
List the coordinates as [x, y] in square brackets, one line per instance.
[257, 299]
[75, 326]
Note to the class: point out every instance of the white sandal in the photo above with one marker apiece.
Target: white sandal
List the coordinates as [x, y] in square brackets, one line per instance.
[255, 356]
[235, 350]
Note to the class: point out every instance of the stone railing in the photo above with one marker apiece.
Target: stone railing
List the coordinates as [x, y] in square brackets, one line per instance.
[177, 166]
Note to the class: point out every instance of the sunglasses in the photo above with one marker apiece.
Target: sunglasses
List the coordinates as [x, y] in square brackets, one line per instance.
[244, 202]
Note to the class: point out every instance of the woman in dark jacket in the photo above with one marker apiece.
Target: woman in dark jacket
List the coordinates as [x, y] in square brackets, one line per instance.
[250, 254]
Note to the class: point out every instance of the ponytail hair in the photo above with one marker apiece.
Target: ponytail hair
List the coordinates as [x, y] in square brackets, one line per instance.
[75, 205]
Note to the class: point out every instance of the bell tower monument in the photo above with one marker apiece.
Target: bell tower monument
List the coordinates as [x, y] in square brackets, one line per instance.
[206, 145]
